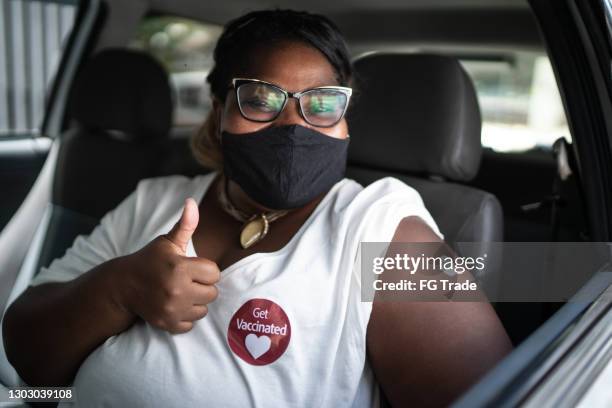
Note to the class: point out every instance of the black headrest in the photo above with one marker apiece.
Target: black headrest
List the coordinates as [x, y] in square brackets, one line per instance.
[415, 113]
[123, 91]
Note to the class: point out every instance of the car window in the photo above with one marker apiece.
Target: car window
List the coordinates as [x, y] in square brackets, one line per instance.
[519, 101]
[517, 92]
[32, 37]
[518, 95]
[184, 47]
[607, 5]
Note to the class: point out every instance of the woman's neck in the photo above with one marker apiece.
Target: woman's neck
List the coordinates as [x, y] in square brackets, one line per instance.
[242, 201]
[246, 204]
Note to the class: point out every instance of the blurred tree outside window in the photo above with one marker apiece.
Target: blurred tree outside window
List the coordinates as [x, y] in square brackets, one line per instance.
[519, 101]
[185, 48]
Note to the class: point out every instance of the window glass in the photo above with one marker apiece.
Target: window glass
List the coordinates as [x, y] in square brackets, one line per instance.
[608, 11]
[520, 102]
[32, 37]
[184, 47]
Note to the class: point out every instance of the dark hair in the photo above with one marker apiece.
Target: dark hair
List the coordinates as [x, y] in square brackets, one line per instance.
[242, 35]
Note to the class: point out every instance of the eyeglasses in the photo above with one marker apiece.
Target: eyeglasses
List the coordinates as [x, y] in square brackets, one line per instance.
[262, 101]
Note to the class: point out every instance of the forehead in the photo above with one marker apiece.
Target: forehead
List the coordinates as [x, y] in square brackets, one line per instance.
[294, 66]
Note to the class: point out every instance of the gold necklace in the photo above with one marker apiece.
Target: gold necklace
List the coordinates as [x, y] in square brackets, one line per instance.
[255, 226]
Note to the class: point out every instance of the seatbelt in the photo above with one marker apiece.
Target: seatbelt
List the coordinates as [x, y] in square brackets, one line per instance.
[565, 163]
[564, 171]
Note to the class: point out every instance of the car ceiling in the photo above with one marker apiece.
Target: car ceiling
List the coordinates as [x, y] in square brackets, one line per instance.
[221, 11]
[367, 24]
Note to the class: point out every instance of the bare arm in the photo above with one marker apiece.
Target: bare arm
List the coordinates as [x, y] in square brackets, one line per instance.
[428, 353]
[50, 329]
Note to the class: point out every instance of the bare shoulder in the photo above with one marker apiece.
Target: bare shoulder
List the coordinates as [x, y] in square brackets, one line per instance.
[416, 348]
[414, 229]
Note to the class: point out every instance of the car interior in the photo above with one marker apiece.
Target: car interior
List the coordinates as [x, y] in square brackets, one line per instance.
[478, 127]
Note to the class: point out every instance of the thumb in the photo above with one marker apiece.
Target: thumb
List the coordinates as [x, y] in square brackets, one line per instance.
[182, 231]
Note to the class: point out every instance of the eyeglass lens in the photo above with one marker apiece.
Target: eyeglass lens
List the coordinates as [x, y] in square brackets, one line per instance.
[263, 103]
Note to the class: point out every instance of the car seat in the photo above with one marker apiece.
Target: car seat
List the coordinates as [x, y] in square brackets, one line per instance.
[121, 109]
[416, 117]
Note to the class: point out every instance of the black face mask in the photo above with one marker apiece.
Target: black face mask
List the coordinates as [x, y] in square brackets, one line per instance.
[284, 167]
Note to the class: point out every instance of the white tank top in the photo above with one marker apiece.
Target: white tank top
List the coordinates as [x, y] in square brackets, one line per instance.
[288, 328]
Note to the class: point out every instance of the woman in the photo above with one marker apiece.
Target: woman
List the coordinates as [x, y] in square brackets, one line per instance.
[253, 296]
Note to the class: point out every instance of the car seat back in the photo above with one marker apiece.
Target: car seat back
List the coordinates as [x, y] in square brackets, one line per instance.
[417, 118]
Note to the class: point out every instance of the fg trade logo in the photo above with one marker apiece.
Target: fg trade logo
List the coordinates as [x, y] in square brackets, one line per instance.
[259, 332]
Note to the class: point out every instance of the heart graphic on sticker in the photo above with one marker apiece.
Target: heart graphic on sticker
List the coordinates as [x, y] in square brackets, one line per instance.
[259, 332]
[257, 346]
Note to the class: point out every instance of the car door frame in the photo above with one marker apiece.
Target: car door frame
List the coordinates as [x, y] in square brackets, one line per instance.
[19, 232]
[575, 33]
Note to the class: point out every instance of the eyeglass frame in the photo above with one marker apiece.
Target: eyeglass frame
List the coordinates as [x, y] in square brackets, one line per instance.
[237, 82]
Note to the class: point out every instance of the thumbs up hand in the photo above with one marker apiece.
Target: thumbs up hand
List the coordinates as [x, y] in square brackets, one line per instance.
[182, 231]
[163, 286]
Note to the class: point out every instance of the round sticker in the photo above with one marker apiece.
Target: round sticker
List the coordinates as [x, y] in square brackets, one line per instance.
[259, 332]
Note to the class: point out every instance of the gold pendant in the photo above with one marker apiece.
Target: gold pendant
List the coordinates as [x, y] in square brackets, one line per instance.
[254, 231]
